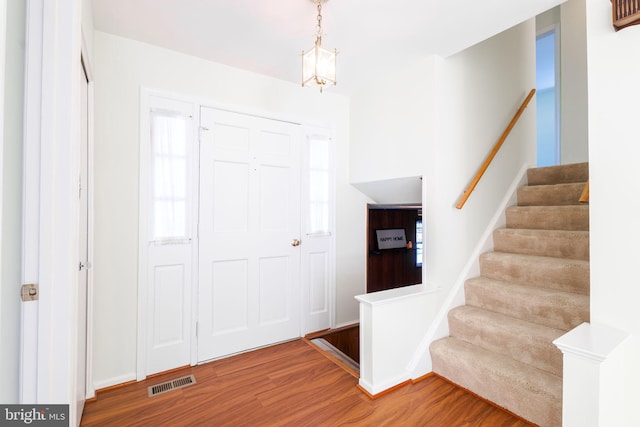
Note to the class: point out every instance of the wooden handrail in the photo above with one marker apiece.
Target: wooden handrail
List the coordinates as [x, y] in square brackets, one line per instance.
[584, 197]
[493, 152]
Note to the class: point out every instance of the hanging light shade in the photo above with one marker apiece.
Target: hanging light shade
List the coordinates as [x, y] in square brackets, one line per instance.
[318, 63]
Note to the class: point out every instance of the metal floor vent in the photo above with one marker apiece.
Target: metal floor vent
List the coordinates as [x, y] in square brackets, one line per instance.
[167, 386]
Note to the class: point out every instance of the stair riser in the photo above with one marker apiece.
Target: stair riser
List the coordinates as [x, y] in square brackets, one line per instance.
[550, 195]
[531, 395]
[563, 275]
[559, 244]
[578, 172]
[548, 217]
[563, 312]
[532, 346]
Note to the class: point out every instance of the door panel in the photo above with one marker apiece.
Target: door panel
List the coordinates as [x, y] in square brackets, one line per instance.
[273, 296]
[168, 295]
[318, 283]
[274, 195]
[230, 202]
[249, 273]
[228, 296]
[169, 303]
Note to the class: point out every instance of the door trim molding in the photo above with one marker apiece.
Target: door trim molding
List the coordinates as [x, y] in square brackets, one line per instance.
[143, 227]
[3, 39]
[88, 68]
[50, 244]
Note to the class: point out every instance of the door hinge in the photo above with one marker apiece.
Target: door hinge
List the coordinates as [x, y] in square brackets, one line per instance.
[200, 130]
[29, 292]
[197, 323]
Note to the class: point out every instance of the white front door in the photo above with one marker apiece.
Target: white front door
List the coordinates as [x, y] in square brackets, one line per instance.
[249, 233]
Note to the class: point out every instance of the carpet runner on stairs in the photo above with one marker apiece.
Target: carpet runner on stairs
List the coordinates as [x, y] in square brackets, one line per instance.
[533, 288]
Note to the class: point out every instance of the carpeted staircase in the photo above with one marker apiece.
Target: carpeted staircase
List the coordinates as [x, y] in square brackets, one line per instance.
[532, 289]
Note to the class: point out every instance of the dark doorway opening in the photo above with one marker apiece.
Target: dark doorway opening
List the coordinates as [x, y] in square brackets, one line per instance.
[399, 266]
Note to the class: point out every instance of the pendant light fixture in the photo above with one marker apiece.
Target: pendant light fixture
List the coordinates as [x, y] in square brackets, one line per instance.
[319, 64]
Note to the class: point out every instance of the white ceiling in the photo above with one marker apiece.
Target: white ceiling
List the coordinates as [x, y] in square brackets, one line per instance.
[372, 37]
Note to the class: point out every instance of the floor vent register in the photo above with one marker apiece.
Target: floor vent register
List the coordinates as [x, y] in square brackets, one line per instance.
[168, 386]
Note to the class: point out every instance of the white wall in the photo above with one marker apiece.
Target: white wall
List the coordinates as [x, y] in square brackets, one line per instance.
[87, 26]
[12, 202]
[613, 70]
[121, 67]
[574, 145]
[439, 118]
[547, 19]
[483, 88]
[393, 123]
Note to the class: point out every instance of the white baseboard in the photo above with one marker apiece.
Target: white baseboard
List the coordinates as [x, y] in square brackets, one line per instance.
[383, 386]
[98, 385]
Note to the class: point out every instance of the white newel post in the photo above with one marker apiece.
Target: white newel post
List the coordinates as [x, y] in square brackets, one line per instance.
[593, 376]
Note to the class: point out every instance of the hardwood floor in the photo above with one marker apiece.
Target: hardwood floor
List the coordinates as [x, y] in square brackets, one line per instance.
[291, 384]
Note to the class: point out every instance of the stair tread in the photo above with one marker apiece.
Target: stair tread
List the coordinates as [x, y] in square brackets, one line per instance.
[550, 194]
[549, 307]
[534, 394]
[574, 172]
[565, 274]
[541, 258]
[519, 339]
[552, 208]
[566, 217]
[572, 244]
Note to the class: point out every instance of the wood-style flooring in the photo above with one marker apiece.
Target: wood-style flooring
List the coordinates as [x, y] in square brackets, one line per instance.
[290, 384]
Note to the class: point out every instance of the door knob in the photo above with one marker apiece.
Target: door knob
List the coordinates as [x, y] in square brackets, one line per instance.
[295, 242]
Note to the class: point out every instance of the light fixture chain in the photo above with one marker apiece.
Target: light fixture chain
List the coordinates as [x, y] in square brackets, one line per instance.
[319, 64]
[319, 26]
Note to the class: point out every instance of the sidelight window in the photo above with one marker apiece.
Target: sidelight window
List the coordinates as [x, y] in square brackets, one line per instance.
[171, 154]
[319, 185]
